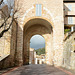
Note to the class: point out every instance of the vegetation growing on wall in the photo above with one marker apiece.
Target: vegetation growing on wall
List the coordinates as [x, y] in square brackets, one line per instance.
[67, 30]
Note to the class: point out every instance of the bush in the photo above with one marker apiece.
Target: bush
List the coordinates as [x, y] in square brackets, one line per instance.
[40, 51]
[67, 30]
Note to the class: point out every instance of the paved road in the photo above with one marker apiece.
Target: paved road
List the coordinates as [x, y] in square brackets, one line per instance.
[37, 70]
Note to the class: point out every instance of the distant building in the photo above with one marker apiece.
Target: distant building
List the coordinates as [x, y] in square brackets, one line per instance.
[40, 59]
[69, 14]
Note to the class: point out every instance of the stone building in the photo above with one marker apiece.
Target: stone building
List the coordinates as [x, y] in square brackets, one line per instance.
[40, 59]
[69, 38]
[69, 51]
[44, 17]
[69, 16]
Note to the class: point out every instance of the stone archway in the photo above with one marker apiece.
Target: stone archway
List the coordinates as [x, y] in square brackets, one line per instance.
[42, 27]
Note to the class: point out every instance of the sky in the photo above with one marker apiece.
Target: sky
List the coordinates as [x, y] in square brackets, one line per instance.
[37, 42]
[7, 2]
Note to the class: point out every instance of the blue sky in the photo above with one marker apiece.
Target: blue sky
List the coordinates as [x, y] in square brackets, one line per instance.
[37, 42]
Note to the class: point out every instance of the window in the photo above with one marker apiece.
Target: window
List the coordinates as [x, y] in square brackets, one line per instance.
[38, 9]
[70, 7]
[70, 20]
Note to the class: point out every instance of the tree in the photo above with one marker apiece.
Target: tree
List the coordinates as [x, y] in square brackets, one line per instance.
[1, 2]
[40, 51]
[5, 19]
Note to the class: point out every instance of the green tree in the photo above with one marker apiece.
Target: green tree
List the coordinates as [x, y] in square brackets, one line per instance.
[40, 51]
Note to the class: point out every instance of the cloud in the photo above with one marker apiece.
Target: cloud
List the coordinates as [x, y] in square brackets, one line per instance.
[37, 42]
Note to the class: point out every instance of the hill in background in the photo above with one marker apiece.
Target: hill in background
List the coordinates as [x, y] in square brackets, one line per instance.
[40, 51]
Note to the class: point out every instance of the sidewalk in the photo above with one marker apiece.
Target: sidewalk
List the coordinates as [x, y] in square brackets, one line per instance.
[72, 71]
[7, 70]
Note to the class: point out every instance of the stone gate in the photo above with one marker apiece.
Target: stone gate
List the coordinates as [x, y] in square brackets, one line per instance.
[38, 17]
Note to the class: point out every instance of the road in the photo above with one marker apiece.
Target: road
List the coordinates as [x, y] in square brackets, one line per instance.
[37, 70]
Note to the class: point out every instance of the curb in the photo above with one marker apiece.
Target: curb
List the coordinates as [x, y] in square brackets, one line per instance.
[10, 70]
[69, 73]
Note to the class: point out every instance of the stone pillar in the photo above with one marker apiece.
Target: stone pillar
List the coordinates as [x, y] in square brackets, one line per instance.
[58, 36]
[49, 54]
[31, 56]
[19, 52]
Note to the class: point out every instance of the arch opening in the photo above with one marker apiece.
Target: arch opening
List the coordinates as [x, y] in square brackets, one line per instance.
[37, 50]
[38, 27]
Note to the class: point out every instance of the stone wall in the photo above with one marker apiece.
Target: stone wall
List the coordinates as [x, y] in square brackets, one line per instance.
[8, 47]
[5, 41]
[69, 54]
